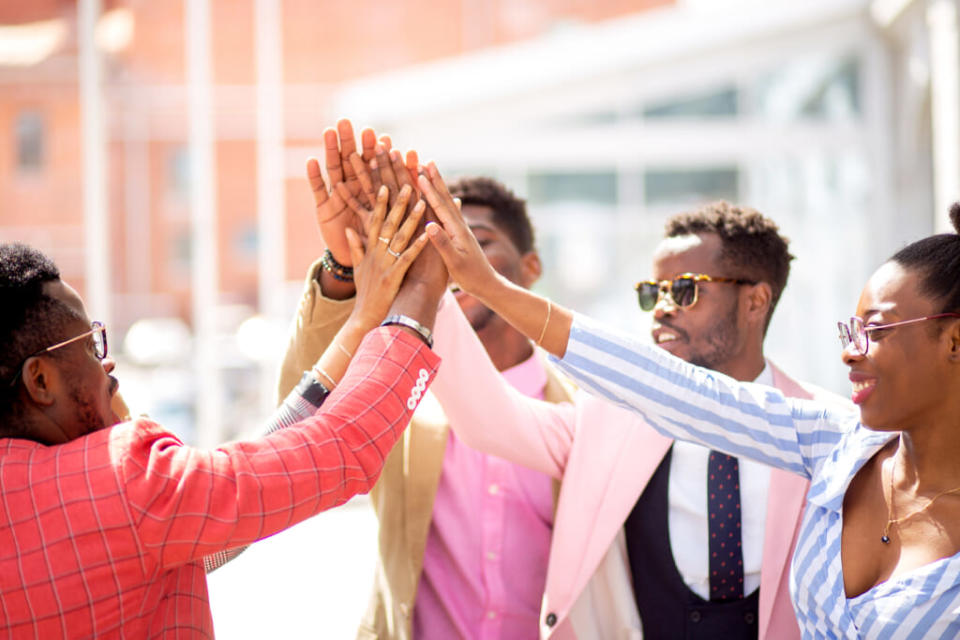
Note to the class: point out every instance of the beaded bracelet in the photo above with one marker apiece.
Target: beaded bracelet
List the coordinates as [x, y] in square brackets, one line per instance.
[334, 268]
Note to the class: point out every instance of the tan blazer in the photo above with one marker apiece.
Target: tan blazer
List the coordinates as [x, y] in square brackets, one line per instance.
[403, 496]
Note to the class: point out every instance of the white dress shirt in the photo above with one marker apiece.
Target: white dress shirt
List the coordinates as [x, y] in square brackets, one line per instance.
[687, 509]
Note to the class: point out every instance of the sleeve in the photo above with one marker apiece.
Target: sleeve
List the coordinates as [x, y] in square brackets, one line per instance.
[187, 503]
[486, 412]
[692, 403]
[317, 321]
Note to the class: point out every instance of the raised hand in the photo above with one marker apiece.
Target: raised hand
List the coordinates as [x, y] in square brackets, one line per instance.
[380, 268]
[332, 214]
[454, 241]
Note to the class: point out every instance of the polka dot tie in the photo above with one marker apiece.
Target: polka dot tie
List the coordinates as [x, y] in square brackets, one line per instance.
[723, 511]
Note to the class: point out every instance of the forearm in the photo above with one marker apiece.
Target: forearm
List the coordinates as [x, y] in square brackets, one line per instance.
[688, 402]
[543, 321]
[317, 321]
[248, 490]
[486, 412]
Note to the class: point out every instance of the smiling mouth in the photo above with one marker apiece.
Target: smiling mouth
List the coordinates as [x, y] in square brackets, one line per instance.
[862, 385]
[664, 338]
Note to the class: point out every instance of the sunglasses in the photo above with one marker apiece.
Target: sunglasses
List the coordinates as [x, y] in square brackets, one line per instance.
[858, 334]
[684, 290]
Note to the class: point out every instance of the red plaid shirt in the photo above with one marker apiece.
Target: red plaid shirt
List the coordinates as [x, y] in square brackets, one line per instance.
[104, 536]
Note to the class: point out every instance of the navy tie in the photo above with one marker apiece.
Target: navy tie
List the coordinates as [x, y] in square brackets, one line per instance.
[723, 511]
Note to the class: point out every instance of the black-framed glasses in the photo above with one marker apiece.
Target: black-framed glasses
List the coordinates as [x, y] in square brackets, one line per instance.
[858, 334]
[684, 290]
[97, 330]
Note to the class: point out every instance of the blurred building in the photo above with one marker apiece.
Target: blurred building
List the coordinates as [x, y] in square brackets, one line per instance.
[836, 117]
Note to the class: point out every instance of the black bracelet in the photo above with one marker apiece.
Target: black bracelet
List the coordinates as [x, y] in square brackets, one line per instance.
[406, 321]
[334, 268]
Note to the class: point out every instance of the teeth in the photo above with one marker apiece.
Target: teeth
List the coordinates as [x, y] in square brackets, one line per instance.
[860, 386]
[665, 337]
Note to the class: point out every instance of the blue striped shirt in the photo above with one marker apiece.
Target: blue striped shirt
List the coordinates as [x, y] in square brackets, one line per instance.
[827, 445]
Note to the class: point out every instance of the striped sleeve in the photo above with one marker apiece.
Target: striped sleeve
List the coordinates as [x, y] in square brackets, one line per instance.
[692, 403]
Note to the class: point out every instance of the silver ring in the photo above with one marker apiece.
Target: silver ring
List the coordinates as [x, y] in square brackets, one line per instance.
[385, 241]
[393, 253]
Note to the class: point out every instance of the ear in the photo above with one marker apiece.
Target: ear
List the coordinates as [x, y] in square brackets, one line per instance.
[41, 380]
[758, 301]
[953, 341]
[530, 268]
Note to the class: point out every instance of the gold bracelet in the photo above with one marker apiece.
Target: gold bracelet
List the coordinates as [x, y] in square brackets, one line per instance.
[543, 331]
[319, 370]
[344, 350]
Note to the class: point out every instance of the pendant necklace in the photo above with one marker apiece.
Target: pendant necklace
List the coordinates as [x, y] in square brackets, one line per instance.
[891, 521]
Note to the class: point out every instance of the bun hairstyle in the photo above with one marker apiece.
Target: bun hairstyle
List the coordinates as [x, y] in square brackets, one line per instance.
[937, 260]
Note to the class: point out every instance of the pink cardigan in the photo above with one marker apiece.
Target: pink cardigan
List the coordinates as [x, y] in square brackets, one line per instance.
[604, 456]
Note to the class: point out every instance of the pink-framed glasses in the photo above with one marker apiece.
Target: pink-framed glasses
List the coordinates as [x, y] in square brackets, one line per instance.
[859, 334]
[97, 330]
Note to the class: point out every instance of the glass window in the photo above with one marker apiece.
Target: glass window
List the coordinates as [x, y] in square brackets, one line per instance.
[689, 186]
[600, 187]
[722, 104]
[30, 141]
[178, 172]
[812, 88]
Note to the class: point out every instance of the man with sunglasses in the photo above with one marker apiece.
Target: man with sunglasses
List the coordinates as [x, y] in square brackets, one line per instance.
[104, 525]
[655, 538]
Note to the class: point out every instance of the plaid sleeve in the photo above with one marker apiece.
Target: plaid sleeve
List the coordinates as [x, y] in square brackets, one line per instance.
[189, 503]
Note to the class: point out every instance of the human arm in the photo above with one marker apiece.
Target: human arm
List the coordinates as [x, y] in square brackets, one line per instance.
[489, 414]
[676, 398]
[187, 503]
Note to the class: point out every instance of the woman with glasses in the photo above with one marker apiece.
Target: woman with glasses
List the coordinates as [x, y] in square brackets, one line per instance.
[877, 554]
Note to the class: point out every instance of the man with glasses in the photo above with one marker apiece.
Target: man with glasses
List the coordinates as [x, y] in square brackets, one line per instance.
[104, 525]
[652, 537]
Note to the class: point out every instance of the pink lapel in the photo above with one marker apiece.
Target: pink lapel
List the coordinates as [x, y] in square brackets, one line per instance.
[638, 453]
[785, 504]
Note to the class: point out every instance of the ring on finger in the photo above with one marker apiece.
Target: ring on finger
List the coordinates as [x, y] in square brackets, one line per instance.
[385, 241]
[393, 253]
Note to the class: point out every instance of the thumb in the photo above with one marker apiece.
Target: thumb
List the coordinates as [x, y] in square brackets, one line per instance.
[356, 247]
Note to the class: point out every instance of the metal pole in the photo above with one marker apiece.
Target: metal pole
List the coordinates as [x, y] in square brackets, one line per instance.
[203, 209]
[94, 141]
[271, 208]
[945, 107]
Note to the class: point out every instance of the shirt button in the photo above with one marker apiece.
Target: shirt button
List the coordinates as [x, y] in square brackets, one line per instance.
[551, 619]
[695, 616]
[491, 614]
[491, 555]
[493, 489]
[749, 618]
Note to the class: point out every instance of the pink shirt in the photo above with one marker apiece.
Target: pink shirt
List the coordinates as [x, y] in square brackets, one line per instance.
[485, 562]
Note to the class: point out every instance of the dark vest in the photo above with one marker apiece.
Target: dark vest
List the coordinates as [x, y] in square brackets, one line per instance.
[668, 608]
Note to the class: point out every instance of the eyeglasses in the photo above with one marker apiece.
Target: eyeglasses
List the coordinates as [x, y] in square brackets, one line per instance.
[684, 290]
[857, 333]
[97, 330]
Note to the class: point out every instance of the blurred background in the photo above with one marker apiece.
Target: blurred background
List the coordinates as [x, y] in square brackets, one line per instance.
[156, 150]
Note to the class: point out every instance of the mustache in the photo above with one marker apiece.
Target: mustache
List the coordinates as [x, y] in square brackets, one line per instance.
[114, 384]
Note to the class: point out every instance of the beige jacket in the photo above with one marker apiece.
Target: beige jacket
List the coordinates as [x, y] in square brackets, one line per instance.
[403, 496]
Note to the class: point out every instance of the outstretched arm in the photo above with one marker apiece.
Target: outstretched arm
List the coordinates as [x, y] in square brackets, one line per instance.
[678, 399]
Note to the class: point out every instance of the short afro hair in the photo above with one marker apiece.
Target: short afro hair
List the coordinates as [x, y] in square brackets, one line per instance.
[753, 248]
[509, 211]
[30, 320]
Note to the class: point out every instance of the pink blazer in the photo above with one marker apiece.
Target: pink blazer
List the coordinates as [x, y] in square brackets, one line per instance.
[604, 456]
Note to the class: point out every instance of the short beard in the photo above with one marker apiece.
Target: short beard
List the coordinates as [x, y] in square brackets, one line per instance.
[721, 342]
[87, 416]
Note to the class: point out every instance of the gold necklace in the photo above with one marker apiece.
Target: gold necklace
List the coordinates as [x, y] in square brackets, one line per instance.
[885, 538]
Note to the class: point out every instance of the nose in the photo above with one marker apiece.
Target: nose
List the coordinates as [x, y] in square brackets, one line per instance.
[665, 306]
[108, 364]
[849, 354]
